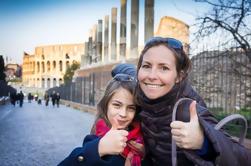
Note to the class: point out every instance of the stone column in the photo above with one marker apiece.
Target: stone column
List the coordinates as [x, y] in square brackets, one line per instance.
[106, 38]
[84, 57]
[114, 34]
[149, 19]
[122, 49]
[134, 28]
[94, 44]
[89, 57]
[99, 40]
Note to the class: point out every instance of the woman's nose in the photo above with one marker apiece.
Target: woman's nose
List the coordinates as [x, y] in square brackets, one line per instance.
[152, 74]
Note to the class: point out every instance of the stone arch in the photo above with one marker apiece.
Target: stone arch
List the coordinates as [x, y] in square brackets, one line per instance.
[33, 66]
[43, 83]
[38, 82]
[54, 82]
[54, 65]
[43, 67]
[48, 66]
[38, 67]
[60, 81]
[60, 66]
[67, 64]
[48, 82]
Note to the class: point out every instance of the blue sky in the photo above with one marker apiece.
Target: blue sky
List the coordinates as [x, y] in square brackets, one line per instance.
[26, 24]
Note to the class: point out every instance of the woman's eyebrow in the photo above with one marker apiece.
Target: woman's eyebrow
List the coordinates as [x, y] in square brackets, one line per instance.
[132, 105]
[145, 61]
[163, 64]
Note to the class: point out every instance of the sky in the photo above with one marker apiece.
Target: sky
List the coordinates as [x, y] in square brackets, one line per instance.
[26, 24]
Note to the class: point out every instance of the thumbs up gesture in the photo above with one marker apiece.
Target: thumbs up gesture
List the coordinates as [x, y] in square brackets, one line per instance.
[188, 135]
[113, 142]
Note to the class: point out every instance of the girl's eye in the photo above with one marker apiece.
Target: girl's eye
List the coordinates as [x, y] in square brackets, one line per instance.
[116, 105]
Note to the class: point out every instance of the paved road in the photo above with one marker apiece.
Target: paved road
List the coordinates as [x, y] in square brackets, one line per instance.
[38, 136]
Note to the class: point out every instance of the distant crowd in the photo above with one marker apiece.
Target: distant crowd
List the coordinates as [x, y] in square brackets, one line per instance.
[17, 98]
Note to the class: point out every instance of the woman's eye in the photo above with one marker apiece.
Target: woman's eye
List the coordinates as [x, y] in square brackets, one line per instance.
[145, 66]
[131, 109]
[165, 68]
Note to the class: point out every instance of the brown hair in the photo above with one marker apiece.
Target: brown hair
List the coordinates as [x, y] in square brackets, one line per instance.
[110, 90]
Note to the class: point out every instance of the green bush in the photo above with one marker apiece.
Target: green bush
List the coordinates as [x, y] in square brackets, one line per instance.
[234, 128]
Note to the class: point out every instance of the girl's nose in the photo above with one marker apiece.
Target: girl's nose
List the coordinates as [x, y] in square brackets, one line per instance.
[122, 112]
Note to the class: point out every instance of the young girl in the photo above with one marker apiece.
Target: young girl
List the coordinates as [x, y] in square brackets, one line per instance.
[116, 138]
[162, 80]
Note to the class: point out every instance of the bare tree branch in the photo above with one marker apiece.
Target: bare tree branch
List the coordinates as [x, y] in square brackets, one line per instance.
[230, 16]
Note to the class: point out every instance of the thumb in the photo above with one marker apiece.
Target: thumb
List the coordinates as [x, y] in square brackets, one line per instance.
[115, 125]
[193, 111]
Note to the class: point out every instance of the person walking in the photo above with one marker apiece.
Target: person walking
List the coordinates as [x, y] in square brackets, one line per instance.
[21, 98]
[53, 98]
[57, 99]
[46, 98]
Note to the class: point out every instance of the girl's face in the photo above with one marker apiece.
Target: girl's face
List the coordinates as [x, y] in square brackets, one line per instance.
[157, 74]
[121, 109]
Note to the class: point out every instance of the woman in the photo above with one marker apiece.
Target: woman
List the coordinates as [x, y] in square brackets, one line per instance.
[162, 70]
[116, 138]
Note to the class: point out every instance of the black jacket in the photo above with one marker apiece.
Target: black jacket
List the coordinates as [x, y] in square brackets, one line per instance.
[156, 116]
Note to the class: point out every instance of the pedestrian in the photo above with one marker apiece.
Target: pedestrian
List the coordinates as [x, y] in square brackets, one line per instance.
[21, 98]
[36, 96]
[115, 138]
[53, 98]
[29, 97]
[57, 99]
[162, 73]
[46, 98]
[13, 97]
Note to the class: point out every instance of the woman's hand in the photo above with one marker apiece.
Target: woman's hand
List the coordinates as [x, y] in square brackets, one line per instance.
[113, 142]
[188, 135]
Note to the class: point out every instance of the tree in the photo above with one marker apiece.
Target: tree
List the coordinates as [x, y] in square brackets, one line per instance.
[2, 69]
[230, 16]
[70, 72]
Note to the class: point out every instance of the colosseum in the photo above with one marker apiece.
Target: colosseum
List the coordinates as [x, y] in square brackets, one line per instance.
[46, 68]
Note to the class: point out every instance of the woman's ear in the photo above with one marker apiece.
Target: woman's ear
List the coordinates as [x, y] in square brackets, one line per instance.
[180, 77]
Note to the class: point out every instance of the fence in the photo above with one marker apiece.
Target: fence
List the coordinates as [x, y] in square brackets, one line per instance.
[85, 90]
[222, 78]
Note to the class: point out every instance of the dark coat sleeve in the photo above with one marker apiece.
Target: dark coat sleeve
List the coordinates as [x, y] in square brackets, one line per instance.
[90, 156]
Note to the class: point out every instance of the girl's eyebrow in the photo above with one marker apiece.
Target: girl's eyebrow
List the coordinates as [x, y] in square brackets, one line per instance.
[117, 101]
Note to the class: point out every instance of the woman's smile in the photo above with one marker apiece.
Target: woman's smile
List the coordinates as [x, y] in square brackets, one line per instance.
[154, 86]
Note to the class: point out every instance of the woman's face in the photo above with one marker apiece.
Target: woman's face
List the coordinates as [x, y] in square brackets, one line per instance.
[157, 74]
[121, 109]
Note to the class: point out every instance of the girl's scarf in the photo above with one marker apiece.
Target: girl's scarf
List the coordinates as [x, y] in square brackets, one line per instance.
[131, 153]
